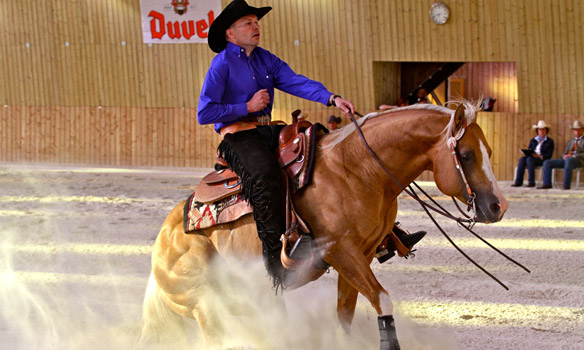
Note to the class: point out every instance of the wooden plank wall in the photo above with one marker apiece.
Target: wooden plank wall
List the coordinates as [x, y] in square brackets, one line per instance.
[107, 136]
[77, 85]
[494, 79]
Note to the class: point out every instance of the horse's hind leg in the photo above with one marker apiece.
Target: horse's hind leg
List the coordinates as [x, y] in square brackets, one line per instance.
[160, 325]
[354, 268]
[210, 323]
[230, 312]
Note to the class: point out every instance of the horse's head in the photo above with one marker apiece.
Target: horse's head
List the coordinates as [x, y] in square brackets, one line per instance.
[473, 155]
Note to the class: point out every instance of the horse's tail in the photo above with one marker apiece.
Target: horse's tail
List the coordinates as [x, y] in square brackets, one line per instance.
[160, 325]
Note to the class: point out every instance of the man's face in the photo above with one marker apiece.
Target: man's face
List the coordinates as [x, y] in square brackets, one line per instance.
[245, 32]
[578, 132]
[542, 132]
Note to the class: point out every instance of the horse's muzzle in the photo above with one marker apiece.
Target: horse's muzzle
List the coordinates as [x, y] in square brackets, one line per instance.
[490, 209]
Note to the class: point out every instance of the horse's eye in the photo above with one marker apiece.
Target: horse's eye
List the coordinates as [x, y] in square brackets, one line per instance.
[466, 156]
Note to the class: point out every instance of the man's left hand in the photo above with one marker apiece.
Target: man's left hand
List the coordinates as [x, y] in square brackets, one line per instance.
[344, 105]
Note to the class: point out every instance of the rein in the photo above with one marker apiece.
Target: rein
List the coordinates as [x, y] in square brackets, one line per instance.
[467, 223]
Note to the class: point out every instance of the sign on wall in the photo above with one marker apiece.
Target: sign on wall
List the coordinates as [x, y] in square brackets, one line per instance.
[177, 21]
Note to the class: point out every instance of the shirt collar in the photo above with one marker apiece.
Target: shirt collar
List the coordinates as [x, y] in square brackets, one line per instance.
[541, 139]
[236, 49]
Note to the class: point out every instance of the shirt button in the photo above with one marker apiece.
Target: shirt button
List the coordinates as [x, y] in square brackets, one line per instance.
[267, 76]
[253, 77]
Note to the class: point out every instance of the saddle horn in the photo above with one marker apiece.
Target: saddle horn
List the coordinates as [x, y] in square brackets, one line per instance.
[295, 115]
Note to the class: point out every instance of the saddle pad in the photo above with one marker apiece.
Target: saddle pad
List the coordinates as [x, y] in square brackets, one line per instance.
[199, 215]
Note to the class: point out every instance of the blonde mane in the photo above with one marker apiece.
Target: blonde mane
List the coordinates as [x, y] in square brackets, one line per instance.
[470, 114]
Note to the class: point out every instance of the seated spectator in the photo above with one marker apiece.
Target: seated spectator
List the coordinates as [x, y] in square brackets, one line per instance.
[420, 96]
[333, 122]
[543, 148]
[573, 157]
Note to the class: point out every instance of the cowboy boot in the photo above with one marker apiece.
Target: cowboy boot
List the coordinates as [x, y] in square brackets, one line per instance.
[301, 250]
[398, 240]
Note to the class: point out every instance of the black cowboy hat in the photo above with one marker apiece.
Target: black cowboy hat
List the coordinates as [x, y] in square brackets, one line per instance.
[234, 11]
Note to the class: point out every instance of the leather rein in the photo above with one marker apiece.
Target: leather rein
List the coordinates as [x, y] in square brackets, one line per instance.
[467, 222]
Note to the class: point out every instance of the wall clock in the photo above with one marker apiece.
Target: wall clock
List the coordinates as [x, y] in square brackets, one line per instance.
[439, 13]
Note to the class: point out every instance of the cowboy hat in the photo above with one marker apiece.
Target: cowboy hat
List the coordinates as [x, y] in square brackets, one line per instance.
[234, 11]
[577, 125]
[541, 125]
[334, 119]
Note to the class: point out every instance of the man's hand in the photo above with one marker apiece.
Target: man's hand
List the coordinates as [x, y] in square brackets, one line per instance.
[259, 101]
[535, 155]
[566, 156]
[345, 106]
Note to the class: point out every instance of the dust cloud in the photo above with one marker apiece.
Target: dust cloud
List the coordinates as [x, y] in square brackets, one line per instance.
[75, 260]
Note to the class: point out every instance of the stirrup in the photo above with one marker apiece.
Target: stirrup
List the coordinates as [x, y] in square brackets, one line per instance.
[290, 263]
[402, 244]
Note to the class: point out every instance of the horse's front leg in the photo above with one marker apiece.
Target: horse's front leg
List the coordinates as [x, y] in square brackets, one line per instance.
[353, 268]
[346, 303]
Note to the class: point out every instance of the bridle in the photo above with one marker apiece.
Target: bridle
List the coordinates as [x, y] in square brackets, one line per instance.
[452, 143]
[467, 222]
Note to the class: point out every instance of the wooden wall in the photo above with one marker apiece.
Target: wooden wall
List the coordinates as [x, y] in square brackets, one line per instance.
[108, 136]
[495, 79]
[77, 85]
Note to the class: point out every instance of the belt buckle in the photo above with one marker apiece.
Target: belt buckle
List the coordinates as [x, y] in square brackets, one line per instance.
[263, 119]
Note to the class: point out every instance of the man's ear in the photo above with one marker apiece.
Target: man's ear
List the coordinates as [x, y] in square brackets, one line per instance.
[228, 32]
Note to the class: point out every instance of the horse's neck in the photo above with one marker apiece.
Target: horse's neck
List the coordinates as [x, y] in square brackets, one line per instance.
[403, 144]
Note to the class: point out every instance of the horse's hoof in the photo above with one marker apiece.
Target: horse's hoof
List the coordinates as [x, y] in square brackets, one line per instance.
[387, 334]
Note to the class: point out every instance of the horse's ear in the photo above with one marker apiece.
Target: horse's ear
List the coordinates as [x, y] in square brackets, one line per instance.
[459, 118]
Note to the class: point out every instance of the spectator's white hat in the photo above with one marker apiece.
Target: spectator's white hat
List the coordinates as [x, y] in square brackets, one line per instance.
[541, 125]
[577, 125]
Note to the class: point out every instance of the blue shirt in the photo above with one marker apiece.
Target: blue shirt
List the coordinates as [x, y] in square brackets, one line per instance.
[233, 78]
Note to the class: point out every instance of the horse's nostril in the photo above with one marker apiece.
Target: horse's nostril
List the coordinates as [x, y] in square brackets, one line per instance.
[495, 207]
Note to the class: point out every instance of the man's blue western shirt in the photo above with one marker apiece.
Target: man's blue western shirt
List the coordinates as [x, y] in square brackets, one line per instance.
[233, 78]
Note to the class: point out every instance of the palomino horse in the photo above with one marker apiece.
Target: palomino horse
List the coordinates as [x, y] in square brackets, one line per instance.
[350, 206]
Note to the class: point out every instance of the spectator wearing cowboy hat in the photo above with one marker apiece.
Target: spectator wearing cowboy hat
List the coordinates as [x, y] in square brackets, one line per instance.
[333, 122]
[542, 147]
[573, 157]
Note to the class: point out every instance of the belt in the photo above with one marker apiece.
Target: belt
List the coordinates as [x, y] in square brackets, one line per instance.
[249, 122]
[237, 126]
[259, 119]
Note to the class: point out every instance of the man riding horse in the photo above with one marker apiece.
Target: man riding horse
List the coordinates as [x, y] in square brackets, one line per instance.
[237, 97]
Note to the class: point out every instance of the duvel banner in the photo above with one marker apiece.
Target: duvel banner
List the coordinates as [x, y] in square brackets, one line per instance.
[177, 21]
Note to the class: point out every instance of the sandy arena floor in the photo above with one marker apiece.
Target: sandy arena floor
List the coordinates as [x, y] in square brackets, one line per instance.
[75, 258]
